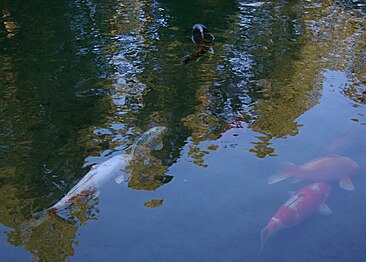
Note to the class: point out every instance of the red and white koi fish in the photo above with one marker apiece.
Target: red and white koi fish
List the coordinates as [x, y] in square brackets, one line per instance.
[321, 170]
[300, 206]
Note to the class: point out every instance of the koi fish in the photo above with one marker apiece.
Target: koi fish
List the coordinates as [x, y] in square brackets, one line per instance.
[320, 170]
[112, 169]
[300, 206]
[101, 174]
[203, 39]
[86, 188]
[98, 176]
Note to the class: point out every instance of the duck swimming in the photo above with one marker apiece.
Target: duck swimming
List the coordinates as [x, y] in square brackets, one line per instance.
[203, 39]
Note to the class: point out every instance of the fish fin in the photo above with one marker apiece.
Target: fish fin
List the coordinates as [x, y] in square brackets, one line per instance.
[277, 178]
[288, 169]
[324, 210]
[38, 218]
[297, 180]
[346, 183]
[158, 146]
[96, 193]
[120, 179]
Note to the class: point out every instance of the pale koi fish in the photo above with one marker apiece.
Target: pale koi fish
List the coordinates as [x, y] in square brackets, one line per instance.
[98, 176]
[101, 174]
[112, 169]
[300, 206]
[319, 170]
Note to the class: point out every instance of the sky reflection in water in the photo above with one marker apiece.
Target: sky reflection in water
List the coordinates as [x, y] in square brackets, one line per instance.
[81, 80]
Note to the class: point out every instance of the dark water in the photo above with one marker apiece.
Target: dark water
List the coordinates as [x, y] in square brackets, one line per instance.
[80, 80]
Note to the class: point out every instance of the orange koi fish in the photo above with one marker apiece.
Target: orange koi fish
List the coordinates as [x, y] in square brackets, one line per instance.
[320, 170]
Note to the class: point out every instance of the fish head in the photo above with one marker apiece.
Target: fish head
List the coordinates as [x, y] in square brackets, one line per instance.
[354, 166]
[151, 140]
[155, 143]
[158, 130]
[346, 165]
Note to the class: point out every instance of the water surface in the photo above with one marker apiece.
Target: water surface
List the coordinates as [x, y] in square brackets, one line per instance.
[81, 80]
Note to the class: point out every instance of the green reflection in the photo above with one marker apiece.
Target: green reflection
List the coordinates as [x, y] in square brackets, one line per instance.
[80, 79]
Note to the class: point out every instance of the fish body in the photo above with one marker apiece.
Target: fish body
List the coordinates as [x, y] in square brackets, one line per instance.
[320, 170]
[298, 207]
[98, 176]
[111, 169]
[101, 174]
[203, 39]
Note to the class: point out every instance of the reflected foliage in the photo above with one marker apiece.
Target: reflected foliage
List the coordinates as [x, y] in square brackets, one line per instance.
[80, 80]
[154, 203]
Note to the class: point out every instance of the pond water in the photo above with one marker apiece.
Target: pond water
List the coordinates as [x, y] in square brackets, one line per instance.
[80, 80]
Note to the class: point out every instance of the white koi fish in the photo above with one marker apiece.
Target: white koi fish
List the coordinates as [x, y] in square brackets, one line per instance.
[101, 174]
[98, 176]
[89, 186]
[111, 169]
[300, 206]
[319, 170]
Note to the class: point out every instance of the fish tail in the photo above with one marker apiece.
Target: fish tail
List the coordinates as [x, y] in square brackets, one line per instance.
[288, 170]
[291, 169]
[265, 233]
[277, 177]
[38, 219]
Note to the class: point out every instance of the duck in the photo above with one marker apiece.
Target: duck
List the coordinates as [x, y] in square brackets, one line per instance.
[203, 39]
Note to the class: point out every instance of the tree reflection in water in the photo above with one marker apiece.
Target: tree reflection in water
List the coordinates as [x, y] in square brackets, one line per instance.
[108, 70]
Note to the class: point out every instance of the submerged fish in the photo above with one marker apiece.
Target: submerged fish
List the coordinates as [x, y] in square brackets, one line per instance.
[319, 170]
[101, 174]
[98, 176]
[112, 169]
[203, 39]
[86, 188]
[300, 206]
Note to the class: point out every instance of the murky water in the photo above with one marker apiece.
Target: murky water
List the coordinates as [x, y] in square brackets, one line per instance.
[81, 80]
